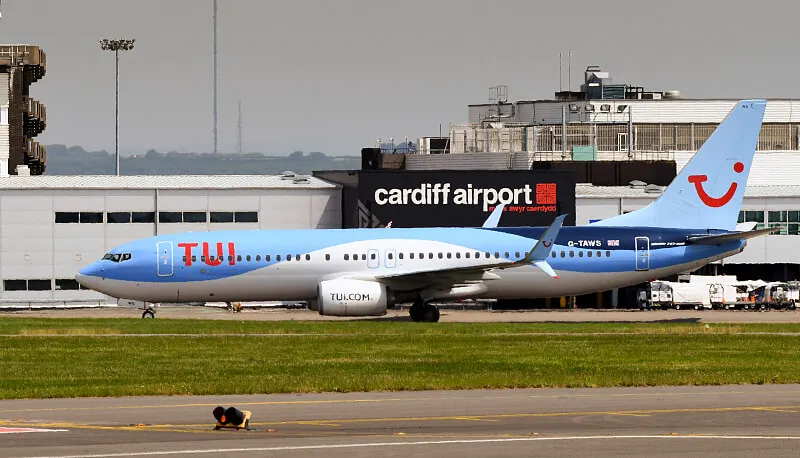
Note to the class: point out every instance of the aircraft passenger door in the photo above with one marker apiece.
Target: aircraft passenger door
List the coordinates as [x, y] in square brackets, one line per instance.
[391, 258]
[642, 253]
[373, 260]
[164, 267]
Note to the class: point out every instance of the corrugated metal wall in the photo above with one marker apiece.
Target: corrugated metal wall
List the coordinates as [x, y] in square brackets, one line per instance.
[33, 246]
[3, 88]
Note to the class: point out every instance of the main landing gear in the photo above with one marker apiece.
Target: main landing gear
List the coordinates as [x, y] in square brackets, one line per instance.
[421, 311]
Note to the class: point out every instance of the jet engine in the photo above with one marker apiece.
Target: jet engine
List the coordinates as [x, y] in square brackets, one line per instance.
[347, 297]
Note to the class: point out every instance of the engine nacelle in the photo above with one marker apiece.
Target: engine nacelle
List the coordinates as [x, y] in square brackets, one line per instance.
[347, 297]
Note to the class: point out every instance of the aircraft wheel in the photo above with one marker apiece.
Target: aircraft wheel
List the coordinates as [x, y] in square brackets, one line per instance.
[415, 312]
[148, 314]
[430, 314]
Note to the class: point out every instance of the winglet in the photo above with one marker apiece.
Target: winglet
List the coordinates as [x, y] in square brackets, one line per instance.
[541, 251]
[494, 218]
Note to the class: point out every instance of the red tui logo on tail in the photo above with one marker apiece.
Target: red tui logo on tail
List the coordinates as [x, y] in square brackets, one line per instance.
[715, 202]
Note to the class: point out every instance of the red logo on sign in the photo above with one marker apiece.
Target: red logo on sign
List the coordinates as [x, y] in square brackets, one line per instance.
[546, 193]
[207, 258]
[715, 202]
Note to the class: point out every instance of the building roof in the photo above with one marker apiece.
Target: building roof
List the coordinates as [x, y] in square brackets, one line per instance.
[585, 190]
[162, 182]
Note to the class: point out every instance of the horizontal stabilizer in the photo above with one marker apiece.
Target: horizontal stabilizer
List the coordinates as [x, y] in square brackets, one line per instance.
[723, 238]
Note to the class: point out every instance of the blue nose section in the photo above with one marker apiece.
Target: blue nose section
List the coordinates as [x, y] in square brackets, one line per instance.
[89, 276]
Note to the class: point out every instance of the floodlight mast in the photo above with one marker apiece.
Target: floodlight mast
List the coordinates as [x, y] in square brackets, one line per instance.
[116, 46]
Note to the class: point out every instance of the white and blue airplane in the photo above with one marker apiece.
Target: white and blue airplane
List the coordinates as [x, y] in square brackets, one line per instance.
[362, 272]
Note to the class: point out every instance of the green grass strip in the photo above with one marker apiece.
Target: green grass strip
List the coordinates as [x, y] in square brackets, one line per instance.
[39, 361]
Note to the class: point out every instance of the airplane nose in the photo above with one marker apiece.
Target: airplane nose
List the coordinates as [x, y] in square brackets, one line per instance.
[89, 276]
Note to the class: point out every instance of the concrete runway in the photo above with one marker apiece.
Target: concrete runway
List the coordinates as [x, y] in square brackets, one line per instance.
[447, 315]
[731, 421]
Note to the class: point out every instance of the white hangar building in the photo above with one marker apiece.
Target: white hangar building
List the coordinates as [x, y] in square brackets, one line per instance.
[51, 226]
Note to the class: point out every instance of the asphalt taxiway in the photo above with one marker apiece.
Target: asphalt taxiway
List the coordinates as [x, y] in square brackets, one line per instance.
[654, 421]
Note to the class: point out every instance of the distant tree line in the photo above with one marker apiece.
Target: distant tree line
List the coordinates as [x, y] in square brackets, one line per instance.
[74, 160]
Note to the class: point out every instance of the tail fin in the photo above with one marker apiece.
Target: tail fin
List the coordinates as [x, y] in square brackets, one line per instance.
[708, 192]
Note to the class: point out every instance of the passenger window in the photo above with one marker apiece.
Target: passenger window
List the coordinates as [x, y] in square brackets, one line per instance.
[364, 257]
[449, 255]
[410, 255]
[553, 254]
[580, 254]
[194, 258]
[466, 255]
[308, 257]
[239, 258]
[230, 258]
[458, 255]
[589, 253]
[258, 257]
[288, 257]
[297, 257]
[599, 254]
[248, 258]
[507, 256]
[346, 257]
[571, 254]
[266, 257]
[441, 256]
[184, 259]
[516, 254]
[400, 255]
[563, 254]
[390, 256]
[327, 257]
[277, 258]
[202, 259]
[372, 256]
[487, 255]
[496, 254]
[608, 254]
[430, 255]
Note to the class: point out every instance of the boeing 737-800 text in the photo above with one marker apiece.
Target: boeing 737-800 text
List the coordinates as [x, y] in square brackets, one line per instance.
[362, 272]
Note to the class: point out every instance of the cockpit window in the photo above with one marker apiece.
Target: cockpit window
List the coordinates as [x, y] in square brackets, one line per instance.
[117, 257]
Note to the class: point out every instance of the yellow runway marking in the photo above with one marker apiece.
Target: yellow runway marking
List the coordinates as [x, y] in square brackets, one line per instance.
[207, 427]
[367, 401]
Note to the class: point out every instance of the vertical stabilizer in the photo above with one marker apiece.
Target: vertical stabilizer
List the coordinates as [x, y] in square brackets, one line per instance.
[708, 192]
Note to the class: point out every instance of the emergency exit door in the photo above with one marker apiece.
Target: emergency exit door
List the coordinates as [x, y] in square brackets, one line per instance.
[164, 266]
[642, 253]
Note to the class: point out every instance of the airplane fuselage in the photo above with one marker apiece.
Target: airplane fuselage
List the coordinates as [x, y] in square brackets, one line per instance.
[231, 266]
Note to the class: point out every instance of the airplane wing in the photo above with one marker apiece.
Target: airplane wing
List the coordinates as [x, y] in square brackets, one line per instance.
[722, 238]
[481, 272]
[494, 218]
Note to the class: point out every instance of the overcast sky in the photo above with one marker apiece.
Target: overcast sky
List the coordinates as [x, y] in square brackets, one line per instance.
[335, 75]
